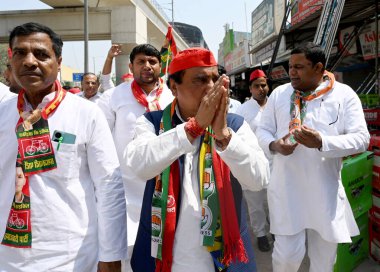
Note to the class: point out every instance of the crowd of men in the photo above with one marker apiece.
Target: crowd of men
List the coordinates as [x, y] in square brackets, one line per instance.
[156, 176]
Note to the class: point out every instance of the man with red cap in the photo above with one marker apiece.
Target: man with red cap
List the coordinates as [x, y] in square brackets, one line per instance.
[196, 158]
[251, 111]
[122, 105]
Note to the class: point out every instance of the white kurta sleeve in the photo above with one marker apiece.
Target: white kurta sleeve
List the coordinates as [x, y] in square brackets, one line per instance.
[266, 129]
[106, 82]
[105, 104]
[246, 159]
[355, 136]
[148, 154]
[111, 208]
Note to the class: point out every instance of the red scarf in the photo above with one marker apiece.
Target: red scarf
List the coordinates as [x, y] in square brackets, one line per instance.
[35, 155]
[166, 200]
[140, 96]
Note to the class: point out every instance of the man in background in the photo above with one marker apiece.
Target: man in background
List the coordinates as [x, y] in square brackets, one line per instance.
[251, 111]
[122, 105]
[90, 87]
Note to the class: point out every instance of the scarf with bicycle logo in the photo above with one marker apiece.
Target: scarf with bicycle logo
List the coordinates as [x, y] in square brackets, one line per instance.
[140, 96]
[298, 102]
[218, 227]
[35, 155]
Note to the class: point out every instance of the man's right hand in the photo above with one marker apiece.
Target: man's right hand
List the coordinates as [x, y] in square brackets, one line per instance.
[283, 146]
[114, 51]
[210, 102]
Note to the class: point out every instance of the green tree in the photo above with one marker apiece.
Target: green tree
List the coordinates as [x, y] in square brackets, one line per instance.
[3, 60]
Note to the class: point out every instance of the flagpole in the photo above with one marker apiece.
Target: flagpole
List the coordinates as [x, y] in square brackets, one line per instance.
[167, 63]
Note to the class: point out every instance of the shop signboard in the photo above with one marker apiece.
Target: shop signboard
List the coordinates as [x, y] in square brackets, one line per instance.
[344, 35]
[266, 21]
[279, 72]
[368, 41]
[77, 77]
[238, 59]
[304, 8]
[265, 53]
[228, 42]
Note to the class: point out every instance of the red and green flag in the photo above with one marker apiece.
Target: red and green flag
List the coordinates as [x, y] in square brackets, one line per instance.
[168, 51]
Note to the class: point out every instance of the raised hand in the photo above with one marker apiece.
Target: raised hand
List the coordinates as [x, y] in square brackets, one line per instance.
[210, 103]
[114, 51]
[219, 123]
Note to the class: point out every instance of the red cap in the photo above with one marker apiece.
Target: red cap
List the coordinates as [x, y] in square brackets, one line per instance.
[127, 75]
[192, 57]
[74, 90]
[256, 74]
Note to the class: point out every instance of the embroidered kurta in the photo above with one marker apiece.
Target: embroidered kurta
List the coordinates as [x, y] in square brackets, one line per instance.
[148, 154]
[121, 110]
[305, 189]
[77, 210]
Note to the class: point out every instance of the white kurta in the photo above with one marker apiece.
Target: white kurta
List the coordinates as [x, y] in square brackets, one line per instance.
[251, 111]
[305, 189]
[5, 94]
[149, 154]
[94, 98]
[106, 82]
[121, 110]
[78, 209]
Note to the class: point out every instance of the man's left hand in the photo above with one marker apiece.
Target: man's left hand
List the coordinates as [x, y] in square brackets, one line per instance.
[308, 137]
[219, 123]
[109, 266]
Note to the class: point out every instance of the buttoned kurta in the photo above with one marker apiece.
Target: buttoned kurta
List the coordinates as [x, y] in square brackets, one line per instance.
[148, 155]
[77, 210]
[121, 110]
[305, 189]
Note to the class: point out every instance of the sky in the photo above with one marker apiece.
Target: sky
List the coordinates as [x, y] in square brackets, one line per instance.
[208, 15]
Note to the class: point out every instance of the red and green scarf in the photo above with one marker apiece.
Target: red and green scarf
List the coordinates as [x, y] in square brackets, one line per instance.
[217, 202]
[140, 96]
[35, 155]
[298, 104]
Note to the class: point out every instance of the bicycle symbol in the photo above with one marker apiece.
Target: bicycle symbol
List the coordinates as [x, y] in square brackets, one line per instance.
[14, 221]
[37, 146]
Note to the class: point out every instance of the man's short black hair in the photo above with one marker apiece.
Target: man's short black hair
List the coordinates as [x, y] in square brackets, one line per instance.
[30, 28]
[177, 77]
[146, 49]
[313, 53]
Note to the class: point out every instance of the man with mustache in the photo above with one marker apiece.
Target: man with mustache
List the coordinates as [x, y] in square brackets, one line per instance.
[195, 158]
[76, 218]
[309, 125]
[90, 87]
[122, 105]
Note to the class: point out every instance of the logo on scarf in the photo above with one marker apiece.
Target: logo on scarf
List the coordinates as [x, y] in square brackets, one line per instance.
[206, 221]
[171, 204]
[156, 226]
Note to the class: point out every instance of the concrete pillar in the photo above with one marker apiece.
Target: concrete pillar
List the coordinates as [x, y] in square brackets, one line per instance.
[128, 28]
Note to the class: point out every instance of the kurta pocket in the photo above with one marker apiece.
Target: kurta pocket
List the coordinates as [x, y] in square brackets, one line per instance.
[65, 157]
